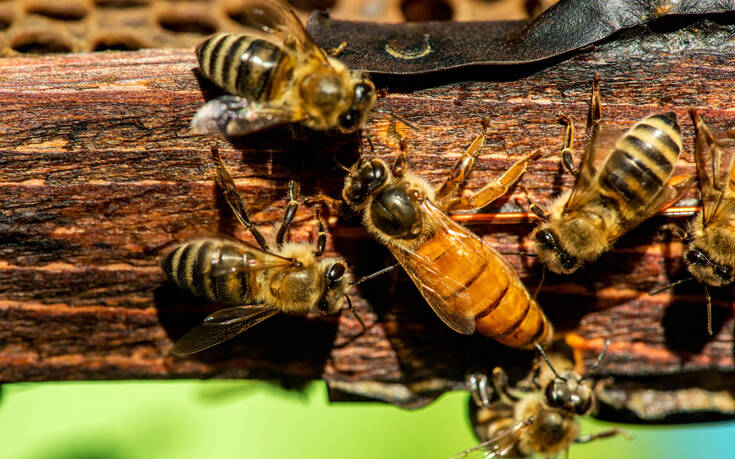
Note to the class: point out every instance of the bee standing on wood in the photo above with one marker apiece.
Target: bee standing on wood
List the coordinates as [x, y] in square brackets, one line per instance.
[467, 283]
[264, 281]
[544, 422]
[278, 75]
[632, 184]
[710, 253]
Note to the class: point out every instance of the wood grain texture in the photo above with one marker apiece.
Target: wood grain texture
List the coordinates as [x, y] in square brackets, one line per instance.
[99, 176]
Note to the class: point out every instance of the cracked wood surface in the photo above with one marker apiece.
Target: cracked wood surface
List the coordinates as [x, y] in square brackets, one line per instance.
[99, 176]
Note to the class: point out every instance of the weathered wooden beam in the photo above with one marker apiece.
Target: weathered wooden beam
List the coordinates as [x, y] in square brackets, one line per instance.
[99, 175]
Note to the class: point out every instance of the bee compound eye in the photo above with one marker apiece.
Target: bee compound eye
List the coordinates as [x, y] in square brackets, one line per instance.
[696, 257]
[545, 238]
[336, 271]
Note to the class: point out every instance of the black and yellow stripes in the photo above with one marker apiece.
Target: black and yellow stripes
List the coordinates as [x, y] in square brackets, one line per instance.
[240, 64]
[641, 163]
[209, 268]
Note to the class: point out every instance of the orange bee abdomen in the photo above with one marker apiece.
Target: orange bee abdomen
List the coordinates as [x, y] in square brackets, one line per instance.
[475, 280]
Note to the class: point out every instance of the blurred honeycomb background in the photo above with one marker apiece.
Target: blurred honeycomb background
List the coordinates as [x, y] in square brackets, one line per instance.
[70, 26]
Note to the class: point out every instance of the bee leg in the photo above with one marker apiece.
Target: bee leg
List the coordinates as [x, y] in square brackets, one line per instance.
[604, 434]
[461, 168]
[321, 240]
[494, 189]
[334, 52]
[482, 392]
[288, 215]
[500, 384]
[594, 115]
[234, 200]
[566, 151]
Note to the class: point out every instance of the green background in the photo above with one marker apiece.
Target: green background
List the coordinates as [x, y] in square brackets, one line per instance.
[222, 419]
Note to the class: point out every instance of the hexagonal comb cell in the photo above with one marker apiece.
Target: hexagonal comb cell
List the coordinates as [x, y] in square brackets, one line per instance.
[54, 26]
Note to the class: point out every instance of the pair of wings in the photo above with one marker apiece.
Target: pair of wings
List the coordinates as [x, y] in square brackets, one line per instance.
[468, 250]
[230, 322]
[599, 144]
[715, 182]
[500, 444]
[274, 21]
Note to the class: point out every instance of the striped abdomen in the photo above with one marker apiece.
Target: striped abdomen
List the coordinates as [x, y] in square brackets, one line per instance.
[641, 163]
[211, 268]
[243, 65]
[457, 272]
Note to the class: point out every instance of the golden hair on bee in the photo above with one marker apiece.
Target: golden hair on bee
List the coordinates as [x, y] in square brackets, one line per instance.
[544, 421]
[276, 76]
[709, 236]
[631, 183]
[261, 280]
[466, 282]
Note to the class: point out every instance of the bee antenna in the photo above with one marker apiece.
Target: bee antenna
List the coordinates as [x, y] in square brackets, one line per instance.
[551, 367]
[399, 118]
[342, 166]
[541, 282]
[597, 362]
[352, 308]
[375, 274]
[668, 286]
[370, 141]
[709, 310]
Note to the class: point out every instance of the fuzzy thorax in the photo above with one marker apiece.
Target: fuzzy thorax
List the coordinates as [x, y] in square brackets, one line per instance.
[300, 289]
[716, 241]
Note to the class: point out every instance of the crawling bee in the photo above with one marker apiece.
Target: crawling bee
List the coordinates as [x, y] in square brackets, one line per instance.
[263, 281]
[467, 283]
[282, 77]
[632, 184]
[710, 254]
[543, 422]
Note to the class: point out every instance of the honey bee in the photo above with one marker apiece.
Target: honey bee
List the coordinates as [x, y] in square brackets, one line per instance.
[542, 422]
[467, 283]
[278, 75]
[710, 253]
[262, 281]
[632, 184]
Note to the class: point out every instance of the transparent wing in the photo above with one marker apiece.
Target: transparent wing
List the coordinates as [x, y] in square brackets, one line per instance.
[714, 160]
[500, 444]
[277, 20]
[436, 286]
[233, 116]
[597, 147]
[221, 326]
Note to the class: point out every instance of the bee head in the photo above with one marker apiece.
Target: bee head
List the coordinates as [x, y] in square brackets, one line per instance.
[336, 283]
[394, 211]
[551, 254]
[569, 393]
[363, 98]
[362, 180]
[706, 271]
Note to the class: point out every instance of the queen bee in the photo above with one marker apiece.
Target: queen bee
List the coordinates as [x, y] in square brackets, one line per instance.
[466, 282]
[278, 75]
[632, 184]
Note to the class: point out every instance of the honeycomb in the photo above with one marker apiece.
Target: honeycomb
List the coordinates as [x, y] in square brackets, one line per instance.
[70, 26]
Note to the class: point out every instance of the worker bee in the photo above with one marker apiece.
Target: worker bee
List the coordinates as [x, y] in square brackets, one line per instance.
[543, 422]
[466, 282]
[710, 253]
[276, 78]
[262, 281]
[632, 184]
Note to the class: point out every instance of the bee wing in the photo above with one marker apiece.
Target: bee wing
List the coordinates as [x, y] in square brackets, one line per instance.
[715, 183]
[277, 20]
[598, 142]
[233, 116]
[500, 444]
[431, 282]
[220, 326]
